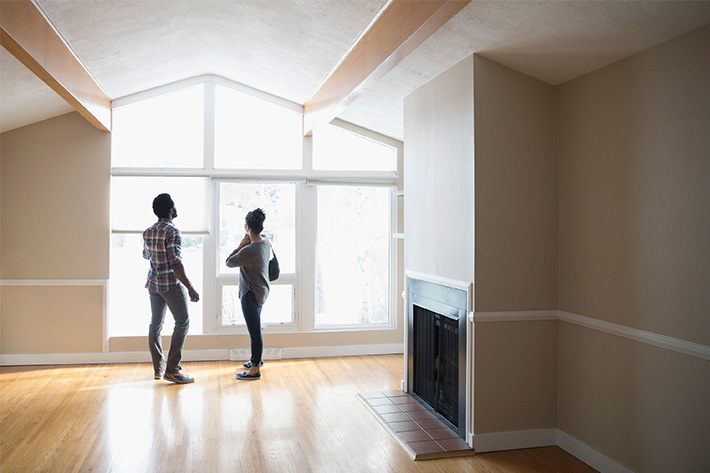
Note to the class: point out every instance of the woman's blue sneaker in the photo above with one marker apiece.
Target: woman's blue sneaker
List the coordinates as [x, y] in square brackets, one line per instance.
[246, 375]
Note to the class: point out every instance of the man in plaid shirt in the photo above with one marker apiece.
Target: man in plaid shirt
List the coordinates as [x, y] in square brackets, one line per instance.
[162, 245]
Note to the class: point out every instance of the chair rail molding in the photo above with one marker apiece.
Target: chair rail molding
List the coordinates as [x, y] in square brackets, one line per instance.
[643, 336]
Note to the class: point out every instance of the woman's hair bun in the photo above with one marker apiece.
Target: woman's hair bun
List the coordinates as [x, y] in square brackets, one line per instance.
[259, 214]
[255, 220]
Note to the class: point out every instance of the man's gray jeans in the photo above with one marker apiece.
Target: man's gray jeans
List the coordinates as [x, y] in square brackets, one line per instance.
[176, 300]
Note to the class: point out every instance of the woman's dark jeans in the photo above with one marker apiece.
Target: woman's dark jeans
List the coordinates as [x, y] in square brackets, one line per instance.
[252, 316]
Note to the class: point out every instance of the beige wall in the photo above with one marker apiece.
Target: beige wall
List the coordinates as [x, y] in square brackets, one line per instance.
[634, 168]
[516, 195]
[55, 200]
[438, 179]
[643, 406]
[54, 225]
[516, 249]
[51, 319]
[515, 376]
[634, 193]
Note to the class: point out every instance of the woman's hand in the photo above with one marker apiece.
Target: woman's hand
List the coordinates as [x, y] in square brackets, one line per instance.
[245, 241]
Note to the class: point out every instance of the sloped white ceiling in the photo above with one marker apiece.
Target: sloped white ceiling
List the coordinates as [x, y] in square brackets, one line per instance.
[554, 41]
[283, 47]
[288, 47]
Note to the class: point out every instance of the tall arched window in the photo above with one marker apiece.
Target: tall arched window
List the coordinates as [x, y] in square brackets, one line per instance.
[221, 149]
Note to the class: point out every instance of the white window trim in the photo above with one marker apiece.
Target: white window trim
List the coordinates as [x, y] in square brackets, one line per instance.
[229, 279]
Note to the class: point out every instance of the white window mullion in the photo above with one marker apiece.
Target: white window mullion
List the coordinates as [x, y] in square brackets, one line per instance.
[209, 121]
[306, 244]
[307, 250]
[210, 291]
[308, 154]
[393, 260]
[209, 270]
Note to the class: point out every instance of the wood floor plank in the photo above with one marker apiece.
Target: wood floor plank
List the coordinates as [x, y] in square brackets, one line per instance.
[303, 416]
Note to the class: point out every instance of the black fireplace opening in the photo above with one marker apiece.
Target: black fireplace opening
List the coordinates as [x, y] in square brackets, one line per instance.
[437, 350]
[436, 362]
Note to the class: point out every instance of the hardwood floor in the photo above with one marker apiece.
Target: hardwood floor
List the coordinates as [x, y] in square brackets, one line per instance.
[302, 416]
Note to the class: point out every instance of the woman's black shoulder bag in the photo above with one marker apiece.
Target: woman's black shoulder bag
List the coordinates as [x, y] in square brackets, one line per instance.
[274, 269]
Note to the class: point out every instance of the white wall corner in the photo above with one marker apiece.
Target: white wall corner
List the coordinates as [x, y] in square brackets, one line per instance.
[516, 440]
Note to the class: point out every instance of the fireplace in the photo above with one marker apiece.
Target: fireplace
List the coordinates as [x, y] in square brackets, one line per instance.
[437, 350]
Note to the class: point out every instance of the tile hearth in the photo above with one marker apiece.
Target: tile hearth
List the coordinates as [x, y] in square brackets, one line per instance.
[415, 428]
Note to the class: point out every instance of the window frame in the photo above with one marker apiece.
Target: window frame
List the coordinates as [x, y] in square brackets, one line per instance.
[227, 279]
[306, 180]
[392, 269]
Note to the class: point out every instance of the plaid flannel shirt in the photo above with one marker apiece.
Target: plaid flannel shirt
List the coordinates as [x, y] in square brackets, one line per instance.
[162, 246]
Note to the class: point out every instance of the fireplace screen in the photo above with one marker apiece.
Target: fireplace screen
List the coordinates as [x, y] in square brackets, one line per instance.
[436, 362]
[436, 350]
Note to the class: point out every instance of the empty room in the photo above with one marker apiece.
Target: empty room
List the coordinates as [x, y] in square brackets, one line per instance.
[354, 236]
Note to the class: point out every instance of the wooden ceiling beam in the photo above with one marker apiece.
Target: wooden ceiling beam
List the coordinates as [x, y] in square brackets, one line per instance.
[27, 34]
[397, 30]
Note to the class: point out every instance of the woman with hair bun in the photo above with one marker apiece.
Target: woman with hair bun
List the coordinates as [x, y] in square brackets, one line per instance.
[252, 259]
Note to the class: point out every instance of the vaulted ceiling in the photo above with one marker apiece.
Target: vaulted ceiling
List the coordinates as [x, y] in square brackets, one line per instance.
[288, 47]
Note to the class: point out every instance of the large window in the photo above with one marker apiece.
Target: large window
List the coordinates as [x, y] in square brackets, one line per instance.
[353, 255]
[221, 150]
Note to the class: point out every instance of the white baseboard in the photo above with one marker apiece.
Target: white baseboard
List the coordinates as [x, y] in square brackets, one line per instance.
[588, 455]
[514, 440]
[241, 354]
[194, 355]
[343, 350]
[545, 438]
[99, 358]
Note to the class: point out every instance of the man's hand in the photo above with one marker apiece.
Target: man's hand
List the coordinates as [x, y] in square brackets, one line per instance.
[179, 271]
